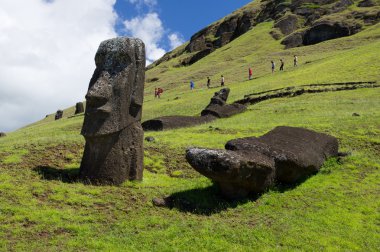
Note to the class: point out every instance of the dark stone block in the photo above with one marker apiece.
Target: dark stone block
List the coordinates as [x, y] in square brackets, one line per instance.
[58, 115]
[173, 122]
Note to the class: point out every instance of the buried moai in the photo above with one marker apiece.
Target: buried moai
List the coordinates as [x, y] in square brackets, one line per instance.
[58, 114]
[79, 108]
[112, 122]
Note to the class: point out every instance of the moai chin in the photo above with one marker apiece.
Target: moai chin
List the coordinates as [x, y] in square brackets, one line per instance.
[112, 124]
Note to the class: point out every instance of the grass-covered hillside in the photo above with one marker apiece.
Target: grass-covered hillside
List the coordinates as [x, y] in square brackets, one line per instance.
[43, 207]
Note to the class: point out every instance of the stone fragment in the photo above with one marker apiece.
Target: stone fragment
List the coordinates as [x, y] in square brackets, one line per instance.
[149, 139]
[112, 123]
[79, 108]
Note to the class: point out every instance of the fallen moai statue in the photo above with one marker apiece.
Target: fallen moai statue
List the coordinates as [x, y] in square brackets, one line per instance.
[252, 165]
[218, 108]
[112, 122]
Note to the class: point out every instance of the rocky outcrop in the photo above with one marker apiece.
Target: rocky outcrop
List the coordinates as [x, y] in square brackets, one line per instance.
[252, 165]
[288, 24]
[112, 122]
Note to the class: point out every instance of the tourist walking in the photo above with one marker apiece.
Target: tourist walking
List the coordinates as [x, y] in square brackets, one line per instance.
[250, 73]
[222, 80]
[273, 65]
[155, 92]
[295, 60]
[282, 65]
[192, 85]
[208, 82]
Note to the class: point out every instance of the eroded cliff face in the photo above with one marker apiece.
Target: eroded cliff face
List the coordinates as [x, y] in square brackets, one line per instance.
[296, 23]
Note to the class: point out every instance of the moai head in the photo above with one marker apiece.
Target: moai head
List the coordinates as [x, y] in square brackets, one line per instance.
[115, 94]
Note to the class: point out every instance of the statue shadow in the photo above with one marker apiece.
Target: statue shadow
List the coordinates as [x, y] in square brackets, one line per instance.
[52, 173]
[208, 201]
[204, 201]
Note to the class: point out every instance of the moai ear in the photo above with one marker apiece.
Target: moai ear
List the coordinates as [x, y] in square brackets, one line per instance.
[138, 86]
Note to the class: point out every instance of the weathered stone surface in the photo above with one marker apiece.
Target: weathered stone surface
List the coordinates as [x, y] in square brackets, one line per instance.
[58, 115]
[112, 127]
[238, 173]
[150, 139]
[79, 108]
[288, 24]
[366, 3]
[297, 152]
[219, 108]
[252, 165]
[173, 122]
[293, 40]
[2, 134]
[327, 30]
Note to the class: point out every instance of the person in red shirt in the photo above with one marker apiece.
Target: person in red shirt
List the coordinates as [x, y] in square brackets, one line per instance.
[250, 73]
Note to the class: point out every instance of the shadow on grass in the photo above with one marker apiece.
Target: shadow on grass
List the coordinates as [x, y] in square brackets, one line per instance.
[64, 175]
[205, 201]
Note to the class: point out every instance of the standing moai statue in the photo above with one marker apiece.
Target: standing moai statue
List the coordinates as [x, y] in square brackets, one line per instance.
[58, 114]
[79, 108]
[112, 122]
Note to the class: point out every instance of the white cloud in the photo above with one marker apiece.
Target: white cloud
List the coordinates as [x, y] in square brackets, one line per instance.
[149, 29]
[47, 51]
[175, 40]
[140, 3]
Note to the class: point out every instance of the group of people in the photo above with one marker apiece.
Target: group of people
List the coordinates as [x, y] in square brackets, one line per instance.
[282, 63]
[158, 91]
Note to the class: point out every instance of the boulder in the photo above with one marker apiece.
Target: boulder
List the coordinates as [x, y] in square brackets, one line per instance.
[112, 122]
[79, 108]
[2, 134]
[297, 152]
[238, 173]
[218, 107]
[293, 40]
[366, 3]
[58, 115]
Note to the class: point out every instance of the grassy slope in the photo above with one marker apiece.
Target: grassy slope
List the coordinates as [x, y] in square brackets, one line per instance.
[41, 207]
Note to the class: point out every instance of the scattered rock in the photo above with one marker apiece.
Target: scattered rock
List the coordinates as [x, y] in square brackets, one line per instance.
[58, 115]
[79, 108]
[112, 122]
[2, 134]
[162, 202]
[252, 165]
[149, 139]
[355, 114]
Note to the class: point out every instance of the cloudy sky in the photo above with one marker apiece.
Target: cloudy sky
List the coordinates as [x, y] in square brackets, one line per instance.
[47, 47]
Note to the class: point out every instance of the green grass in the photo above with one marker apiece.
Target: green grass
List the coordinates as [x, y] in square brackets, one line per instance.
[44, 207]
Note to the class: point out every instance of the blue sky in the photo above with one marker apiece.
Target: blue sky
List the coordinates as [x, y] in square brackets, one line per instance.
[182, 18]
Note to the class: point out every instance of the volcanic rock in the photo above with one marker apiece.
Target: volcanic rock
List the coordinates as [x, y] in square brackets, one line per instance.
[173, 122]
[238, 173]
[297, 152]
[2, 134]
[112, 123]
